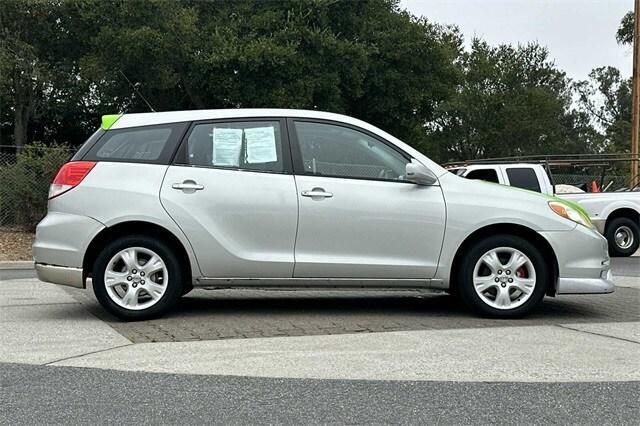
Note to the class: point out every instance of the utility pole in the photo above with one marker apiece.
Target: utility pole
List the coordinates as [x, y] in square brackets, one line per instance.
[635, 95]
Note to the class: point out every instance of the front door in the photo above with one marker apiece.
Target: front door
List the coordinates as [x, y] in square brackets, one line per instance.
[358, 217]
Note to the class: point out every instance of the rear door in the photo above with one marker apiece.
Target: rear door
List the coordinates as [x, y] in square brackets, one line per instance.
[358, 217]
[232, 193]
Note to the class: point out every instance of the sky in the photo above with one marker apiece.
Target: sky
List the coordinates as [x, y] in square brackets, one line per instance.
[580, 34]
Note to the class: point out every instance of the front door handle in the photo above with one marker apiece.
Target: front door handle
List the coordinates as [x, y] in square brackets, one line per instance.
[317, 193]
[188, 186]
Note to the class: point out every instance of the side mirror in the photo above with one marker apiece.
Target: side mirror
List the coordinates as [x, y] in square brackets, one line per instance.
[417, 173]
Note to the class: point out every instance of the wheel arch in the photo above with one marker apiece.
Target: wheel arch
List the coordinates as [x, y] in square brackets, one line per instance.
[134, 227]
[510, 229]
[623, 212]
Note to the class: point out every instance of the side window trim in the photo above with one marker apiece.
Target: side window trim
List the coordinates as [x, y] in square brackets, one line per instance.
[296, 153]
[180, 156]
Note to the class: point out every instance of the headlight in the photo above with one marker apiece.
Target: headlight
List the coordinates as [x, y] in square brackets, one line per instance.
[572, 213]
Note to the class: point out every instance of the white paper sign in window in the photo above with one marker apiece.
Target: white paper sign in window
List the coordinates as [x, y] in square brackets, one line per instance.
[261, 145]
[227, 144]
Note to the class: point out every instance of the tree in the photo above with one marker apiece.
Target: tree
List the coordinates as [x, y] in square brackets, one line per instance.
[365, 58]
[69, 61]
[40, 90]
[624, 35]
[606, 99]
[511, 101]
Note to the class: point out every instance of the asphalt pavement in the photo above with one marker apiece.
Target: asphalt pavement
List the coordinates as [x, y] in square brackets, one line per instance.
[63, 395]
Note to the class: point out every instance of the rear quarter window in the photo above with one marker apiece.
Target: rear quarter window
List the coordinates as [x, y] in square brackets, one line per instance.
[148, 144]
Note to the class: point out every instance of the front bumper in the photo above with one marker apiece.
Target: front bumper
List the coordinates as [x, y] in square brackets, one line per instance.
[599, 224]
[587, 285]
[62, 275]
[584, 266]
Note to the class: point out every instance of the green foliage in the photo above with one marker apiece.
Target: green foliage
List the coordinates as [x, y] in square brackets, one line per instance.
[606, 98]
[624, 35]
[365, 58]
[511, 101]
[25, 184]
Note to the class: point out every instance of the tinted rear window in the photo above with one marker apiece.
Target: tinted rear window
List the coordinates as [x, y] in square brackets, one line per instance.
[488, 175]
[524, 178]
[149, 144]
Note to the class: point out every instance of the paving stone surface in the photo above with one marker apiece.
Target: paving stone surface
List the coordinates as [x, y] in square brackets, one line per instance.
[229, 314]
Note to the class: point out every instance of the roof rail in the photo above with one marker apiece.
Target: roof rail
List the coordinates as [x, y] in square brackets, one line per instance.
[551, 160]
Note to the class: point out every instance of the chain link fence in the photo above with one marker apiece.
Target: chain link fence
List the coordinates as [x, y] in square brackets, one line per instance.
[25, 175]
[584, 181]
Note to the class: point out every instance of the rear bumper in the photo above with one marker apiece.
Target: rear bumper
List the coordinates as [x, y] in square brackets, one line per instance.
[63, 238]
[587, 285]
[63, 275]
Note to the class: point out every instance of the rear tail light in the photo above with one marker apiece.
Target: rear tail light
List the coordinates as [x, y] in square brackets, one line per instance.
[69, 176]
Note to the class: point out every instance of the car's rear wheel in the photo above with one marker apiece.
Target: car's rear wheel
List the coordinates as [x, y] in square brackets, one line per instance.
[137, 277]
[623, 235]
[503, 276]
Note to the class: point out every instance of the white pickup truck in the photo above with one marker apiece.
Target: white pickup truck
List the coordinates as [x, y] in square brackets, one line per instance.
[615, 214]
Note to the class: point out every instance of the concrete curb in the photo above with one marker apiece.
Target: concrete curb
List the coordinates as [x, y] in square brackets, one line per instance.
[16, 264]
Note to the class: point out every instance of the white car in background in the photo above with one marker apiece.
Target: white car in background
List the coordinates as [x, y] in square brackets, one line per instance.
[616, 215]
[155, 204]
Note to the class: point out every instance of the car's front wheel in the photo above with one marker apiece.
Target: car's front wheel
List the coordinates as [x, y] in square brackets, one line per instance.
[137, 277]
[503, 276]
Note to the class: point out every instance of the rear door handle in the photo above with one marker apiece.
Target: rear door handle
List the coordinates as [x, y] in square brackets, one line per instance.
[188, 186]
[317, 193]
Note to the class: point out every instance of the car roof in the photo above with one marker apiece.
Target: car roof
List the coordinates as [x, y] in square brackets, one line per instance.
[151, 118]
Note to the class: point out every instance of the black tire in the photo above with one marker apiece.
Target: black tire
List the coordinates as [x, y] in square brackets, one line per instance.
[465, 285]
[613, 227]
[174, 285]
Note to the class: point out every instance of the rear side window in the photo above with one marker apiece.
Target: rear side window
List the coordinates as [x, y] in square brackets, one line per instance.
[149, 144]
[244, 145]
[524, 178]
[489, 175]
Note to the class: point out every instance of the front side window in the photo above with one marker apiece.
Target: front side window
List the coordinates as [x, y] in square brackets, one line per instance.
[331, 150]
[251, 145]
[523, 177]
[488, 175]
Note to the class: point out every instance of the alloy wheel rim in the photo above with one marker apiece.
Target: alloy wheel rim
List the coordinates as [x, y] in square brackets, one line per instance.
[624, 237]
[136, 278]
[504, 278]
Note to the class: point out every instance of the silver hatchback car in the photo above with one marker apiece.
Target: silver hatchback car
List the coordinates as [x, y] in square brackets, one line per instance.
[155, 204]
